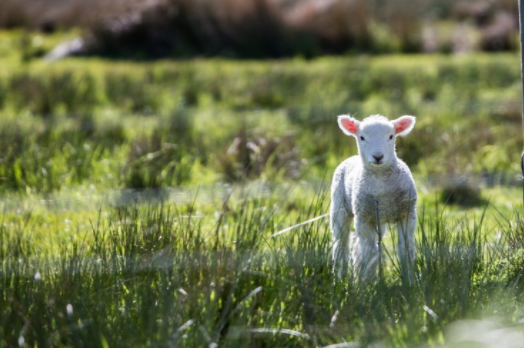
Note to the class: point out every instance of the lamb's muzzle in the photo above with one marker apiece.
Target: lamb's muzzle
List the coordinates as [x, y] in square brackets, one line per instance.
[378, 158]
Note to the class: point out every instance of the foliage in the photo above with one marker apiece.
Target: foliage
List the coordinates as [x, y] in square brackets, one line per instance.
[269, 28]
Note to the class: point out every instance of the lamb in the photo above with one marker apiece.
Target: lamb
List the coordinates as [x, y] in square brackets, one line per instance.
[373, 188]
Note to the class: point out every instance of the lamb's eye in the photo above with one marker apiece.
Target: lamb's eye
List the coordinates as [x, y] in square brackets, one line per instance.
[391, 137]
[362, 138]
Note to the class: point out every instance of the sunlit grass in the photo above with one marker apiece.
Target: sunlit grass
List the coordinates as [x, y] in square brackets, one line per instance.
[187, 274]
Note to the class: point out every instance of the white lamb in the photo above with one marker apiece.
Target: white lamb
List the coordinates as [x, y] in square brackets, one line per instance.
[374, 184]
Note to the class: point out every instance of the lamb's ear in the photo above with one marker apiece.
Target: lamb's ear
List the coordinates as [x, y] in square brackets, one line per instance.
[403, 125]
[348, 124]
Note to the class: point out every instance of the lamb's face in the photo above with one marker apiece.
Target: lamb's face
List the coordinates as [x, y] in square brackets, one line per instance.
[376, 142]
[376, 137]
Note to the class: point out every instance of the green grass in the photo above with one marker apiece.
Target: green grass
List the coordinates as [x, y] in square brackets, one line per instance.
[127, 114]
[139, 200]
[154, 275]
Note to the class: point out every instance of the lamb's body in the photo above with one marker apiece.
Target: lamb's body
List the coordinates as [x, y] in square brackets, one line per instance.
[359, 192]
[360, 189]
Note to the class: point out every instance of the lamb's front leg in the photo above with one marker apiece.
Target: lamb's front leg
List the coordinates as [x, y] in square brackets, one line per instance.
[406, 242]
[365, 250]
[340, 228]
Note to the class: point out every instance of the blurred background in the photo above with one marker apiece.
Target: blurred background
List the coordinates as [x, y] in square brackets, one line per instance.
[177, 93]
[271, 28]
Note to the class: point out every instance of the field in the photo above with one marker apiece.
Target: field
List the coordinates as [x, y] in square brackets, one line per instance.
[141, 201]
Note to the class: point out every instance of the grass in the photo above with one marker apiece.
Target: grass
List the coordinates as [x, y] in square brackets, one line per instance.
[87, 110]
[140, 199]
[150, 275]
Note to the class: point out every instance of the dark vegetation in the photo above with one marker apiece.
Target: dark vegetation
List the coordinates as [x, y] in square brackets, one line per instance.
[272, 28]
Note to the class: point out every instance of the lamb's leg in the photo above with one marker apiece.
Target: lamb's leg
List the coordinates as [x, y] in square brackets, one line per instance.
[340, 221]
[406, 243]
[365, 250]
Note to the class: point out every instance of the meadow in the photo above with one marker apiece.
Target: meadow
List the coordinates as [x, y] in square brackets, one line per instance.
[141, 200]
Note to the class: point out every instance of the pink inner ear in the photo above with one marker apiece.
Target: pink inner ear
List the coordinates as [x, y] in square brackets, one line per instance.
[350, 126]
[401, 126]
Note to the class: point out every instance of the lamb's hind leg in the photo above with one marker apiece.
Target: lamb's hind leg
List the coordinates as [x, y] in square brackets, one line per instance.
[340, 221]
[406, 243]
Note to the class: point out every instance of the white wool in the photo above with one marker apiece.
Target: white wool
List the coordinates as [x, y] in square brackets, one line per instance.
[374, 181]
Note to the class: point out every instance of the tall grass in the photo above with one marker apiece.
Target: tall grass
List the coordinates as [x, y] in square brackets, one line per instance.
[164, 276]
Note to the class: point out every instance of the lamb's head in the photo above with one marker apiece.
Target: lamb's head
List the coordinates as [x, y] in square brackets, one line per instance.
[376, 137]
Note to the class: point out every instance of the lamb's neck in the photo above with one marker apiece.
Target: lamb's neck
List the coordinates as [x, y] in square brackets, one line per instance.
[383, 170]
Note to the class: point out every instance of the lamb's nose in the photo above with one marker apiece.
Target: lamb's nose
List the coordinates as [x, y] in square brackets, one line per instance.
[378, 157]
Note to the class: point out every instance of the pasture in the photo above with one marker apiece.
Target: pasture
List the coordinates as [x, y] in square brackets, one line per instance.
[140, 201]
